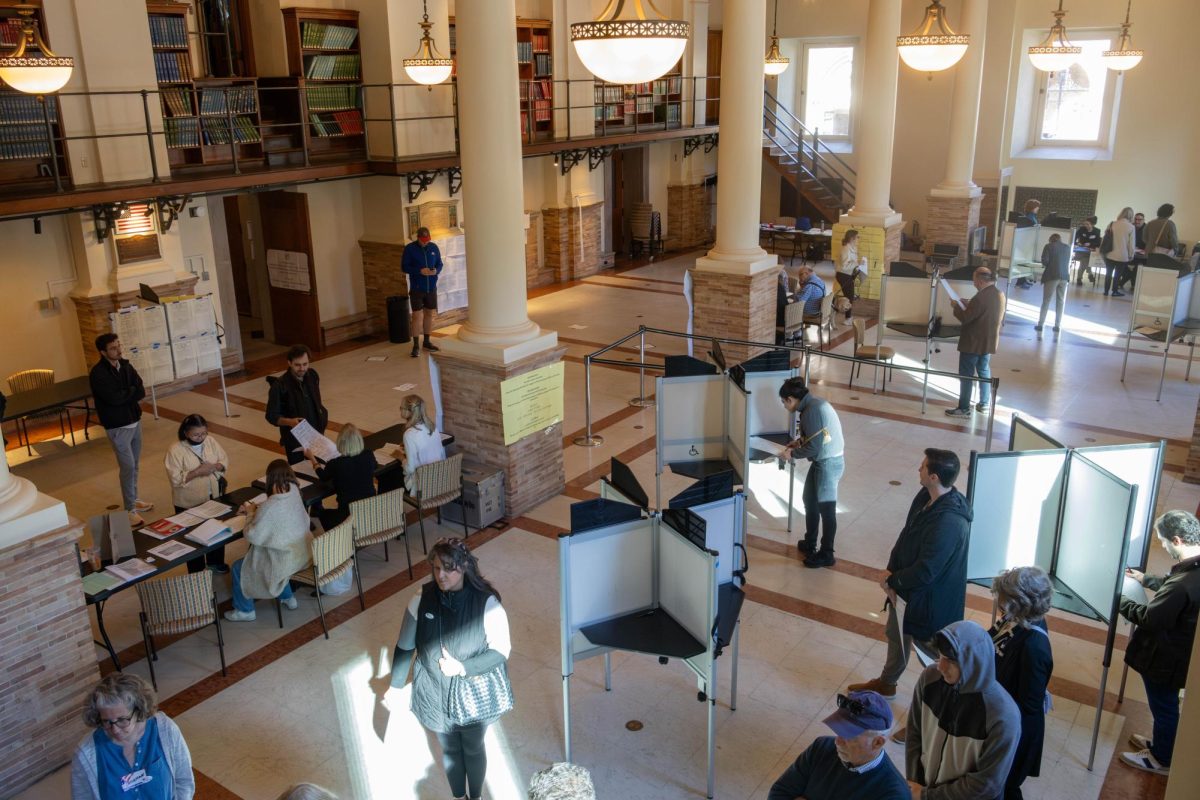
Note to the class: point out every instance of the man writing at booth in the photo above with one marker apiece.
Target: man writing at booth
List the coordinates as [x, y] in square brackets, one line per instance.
[821, 442]
[422, 263]
[981, 319]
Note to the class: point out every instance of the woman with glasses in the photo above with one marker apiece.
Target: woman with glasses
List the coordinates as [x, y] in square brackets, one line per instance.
[196, 467]
[453, 628]
[134, 751]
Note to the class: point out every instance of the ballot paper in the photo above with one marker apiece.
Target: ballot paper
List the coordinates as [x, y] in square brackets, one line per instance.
[383, 457]
[953, 295]
[129, 570]
[169, 551]
[319, 444]
[1134, 591]
[210, 509]
[766, 445]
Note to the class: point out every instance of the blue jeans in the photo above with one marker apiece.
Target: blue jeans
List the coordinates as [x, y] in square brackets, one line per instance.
[1164, 706]
[240, 601]
[970, 365]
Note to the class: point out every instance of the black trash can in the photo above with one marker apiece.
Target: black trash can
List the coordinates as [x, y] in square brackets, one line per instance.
[398, 319]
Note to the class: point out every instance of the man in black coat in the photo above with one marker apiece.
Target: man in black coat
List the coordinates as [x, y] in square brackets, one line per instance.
[1161, 645]
[927, 570]
[295, 397]
[116, 390]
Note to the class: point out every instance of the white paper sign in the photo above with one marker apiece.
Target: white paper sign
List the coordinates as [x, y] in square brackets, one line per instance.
[288, 270]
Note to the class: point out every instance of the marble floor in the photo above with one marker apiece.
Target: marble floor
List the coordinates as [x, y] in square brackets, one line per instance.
[298, 707]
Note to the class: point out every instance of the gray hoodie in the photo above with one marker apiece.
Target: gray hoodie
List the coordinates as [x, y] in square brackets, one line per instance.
[962, 736]
[816, 413]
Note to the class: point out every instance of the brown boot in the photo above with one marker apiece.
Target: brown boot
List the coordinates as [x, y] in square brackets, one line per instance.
[874, 685]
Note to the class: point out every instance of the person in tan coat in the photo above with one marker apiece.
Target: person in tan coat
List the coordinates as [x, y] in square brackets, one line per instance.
[981, 319]
[196, 467]
[279, 538]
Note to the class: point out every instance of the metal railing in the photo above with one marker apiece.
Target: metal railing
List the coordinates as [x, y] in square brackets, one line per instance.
[802, 148]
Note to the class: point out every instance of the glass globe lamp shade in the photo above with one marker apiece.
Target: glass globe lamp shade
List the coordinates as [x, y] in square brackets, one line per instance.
[428, 71]
[36, 75]
[776, 63]
[1121, 60]
[929, 56]
[629, 60]
[1054, 58]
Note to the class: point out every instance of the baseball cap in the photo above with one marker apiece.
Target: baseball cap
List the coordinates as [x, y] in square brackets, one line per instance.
[859, 712]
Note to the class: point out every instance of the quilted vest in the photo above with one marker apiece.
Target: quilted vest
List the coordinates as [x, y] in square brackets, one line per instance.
[460, 615]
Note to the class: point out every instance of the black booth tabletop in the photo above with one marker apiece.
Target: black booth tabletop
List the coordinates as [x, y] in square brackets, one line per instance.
[652, 631]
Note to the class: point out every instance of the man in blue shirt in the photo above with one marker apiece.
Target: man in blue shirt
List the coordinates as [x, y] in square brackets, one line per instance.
[811, 291]
[852, 765]
[422, 263]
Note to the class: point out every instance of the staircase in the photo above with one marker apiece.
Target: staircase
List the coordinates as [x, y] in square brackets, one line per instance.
[818, 174]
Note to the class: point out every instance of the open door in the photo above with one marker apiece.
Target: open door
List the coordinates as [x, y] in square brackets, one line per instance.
[287, 240]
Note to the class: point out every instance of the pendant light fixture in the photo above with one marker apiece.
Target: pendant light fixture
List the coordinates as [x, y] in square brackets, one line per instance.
[427, 66]
[1055, 52]
[630, 50]
[776, 62]
[933, 46]
[1124, 57]
[38, 74]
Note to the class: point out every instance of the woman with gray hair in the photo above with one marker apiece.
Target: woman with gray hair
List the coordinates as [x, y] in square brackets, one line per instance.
[562, 781]
[1024, 663]
[352, 474]
[135, 750]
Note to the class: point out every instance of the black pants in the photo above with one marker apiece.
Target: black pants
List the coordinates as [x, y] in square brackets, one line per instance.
[822, 514]
[464, 759]
[1114, 275]
[213, 558]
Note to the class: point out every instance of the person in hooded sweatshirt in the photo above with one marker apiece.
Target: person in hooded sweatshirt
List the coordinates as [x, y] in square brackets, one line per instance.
[963, 727]
[927, 568]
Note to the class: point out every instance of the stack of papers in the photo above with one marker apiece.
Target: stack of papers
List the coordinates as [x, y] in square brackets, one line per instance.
[98, 582]
[129, 570]
[211, 530]
[213, 508]
[169, 551]
[321, 446]
[162, 528]
[384, 457]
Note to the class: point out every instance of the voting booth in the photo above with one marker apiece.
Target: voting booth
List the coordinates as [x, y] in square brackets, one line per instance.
[1165, 309]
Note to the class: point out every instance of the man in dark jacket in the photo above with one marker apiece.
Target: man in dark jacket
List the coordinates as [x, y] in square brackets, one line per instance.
[422, 263]
[116, 390]
[1056, 274]
[981, 318]
[1161, 645]
[927, 570]
[295, 397]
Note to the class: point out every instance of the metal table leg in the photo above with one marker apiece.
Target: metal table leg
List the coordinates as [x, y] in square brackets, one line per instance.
[104, 635]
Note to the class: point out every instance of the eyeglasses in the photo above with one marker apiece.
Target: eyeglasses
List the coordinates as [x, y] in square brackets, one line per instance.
[119, 722]
[856, 707]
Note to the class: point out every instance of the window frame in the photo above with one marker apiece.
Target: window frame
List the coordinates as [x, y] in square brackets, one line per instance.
[846, 140]
[1108, 110]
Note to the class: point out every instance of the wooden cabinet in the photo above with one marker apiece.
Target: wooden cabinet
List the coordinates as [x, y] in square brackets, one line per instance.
[654, 104]
[325, 65]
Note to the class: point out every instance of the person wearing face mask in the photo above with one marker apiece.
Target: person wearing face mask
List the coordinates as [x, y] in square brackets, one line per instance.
[453, 628]
[852, 765]
[196, 467]
[422, 263]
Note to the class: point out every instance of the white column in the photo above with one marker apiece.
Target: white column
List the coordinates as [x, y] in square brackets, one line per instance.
[16, 494]
[964, 113]
[877, 121]
[498, 324]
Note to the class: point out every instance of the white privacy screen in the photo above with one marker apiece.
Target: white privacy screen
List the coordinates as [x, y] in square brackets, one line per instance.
[1015, 500]
[1138, 465]
[767, 414]
[1091, 552]
[611, 572]
[722, 521]
[736, 407]
[944, 307]
[691, 418]
[1155, 297]
[685, 583]
[1183, 298]
[904, 300]
[1025, 436]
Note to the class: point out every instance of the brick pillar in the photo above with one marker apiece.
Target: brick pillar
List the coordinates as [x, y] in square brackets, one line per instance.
[687, 217]
[951, 220]
[1191, 470]
[471, 407]
[735, 306]
[46, 656]
[536, 271]
[573, 245]
[93, 310]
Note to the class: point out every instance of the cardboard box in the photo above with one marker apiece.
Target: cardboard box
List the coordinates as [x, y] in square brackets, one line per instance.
[482, 497]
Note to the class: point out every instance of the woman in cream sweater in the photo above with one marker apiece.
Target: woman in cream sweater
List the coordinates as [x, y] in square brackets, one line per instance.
[196, 467]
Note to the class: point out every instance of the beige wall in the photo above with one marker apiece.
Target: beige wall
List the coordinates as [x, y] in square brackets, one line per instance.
[336, 220]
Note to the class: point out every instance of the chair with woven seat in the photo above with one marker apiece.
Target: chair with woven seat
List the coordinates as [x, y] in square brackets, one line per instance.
[175, 605]
[793, 323]
[332, 554]
[27, 380]
[822, 321]
[434, 485]
[378, 520]
[863, 351]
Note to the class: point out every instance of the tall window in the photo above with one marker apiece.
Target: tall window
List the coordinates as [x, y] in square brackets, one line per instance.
[828, 88]
[1077, 103]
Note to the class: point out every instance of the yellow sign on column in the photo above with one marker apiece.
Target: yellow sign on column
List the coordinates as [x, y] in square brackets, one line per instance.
[531, 402]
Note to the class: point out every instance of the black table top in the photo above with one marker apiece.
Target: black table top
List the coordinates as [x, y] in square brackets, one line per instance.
[700, 469]
[72, 390]
[653, 631]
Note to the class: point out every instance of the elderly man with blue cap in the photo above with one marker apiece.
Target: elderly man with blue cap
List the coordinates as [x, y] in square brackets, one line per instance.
[851, 765]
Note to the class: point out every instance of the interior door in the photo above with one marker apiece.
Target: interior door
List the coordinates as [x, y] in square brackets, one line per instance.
[713, 84]
[237, 256]
[287, 240]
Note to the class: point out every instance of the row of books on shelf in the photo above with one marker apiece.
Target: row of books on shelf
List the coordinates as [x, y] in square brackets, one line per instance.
[228, 100]
[17, 107]
[540, 42]
[172, 67]
[608, 93]
[333, 68]
[538, 89]
[331, 98]
[168, 30]
[541, 64]
[27, 140]
[193, 132]
[327, 37]
[10, 32]
[177, 102]
[339, 123]
[663, 112]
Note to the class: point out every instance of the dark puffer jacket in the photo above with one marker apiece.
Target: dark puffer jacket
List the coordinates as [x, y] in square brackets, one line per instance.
[1161, 646]
[928, 564]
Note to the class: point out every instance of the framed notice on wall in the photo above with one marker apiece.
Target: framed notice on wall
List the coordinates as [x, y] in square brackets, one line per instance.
[287, 269]
[531, 402]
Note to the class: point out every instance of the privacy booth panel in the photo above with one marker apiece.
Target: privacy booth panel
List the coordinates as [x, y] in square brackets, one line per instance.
[1015, 498]
[691, 418]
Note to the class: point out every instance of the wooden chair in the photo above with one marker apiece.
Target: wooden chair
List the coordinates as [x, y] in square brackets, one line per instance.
[175, 605]
[793, 322]
[332, 554]
[380, 519]
[435, 485]
[823, 321]
[883, 355]
[27, 380]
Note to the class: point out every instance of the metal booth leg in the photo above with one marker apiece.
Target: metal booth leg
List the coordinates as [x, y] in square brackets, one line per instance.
[608, 672]
[737, 629]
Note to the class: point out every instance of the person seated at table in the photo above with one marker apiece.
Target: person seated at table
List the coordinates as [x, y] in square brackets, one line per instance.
[811, 291]
[1087, 241]
[196, 467]
[134, 750]
[422, 442]
[352, 475]
[277, 531]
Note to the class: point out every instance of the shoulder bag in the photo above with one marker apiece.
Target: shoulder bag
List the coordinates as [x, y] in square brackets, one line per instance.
[478, 698]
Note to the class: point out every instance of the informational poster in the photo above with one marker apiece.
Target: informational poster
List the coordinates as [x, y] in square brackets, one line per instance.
[452, 282]
[288, 270]
[532, 402]
[144, 340]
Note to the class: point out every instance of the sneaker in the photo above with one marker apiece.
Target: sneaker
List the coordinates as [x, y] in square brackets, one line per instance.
[874, 685]
[240, 616]
[416, 351]
[804, 547]
[1139, 741]
[136, 520]
[1116, 293]
[821, 558]
[1145, 761]
[1037, 328]
[430, 346]
[958, 412]
[900, 735]
[291, 604]
[142, 505]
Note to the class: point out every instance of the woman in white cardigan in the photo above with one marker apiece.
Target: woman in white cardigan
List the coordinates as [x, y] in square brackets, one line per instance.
[1124, 246]
[422, 442]
[850, 267]
[196, 467]
[279, 540]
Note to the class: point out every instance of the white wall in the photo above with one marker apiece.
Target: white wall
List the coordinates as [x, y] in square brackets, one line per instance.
[336, 220]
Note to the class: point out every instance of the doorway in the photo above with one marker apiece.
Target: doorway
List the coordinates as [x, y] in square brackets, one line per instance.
[627, 186]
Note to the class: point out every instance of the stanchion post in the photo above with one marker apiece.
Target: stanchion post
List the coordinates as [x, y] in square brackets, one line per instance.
[987, 446]
[588, 440]
[640, 401]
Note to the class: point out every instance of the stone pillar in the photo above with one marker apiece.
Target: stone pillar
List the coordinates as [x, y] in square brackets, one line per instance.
[733, 286]
[1185, 772]
[498, 341]
[872, 214]
[1191, 471]
[954, 203]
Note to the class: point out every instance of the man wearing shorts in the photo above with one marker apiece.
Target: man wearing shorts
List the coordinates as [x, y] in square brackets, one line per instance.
[422, 263]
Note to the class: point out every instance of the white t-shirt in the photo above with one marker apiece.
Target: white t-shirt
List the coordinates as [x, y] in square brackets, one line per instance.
[421, 446]
[849, 261]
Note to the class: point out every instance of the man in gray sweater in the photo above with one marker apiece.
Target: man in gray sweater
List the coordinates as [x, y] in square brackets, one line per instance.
[820, 441]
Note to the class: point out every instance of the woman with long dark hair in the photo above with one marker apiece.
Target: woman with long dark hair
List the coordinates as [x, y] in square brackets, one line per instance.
[453, 629]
